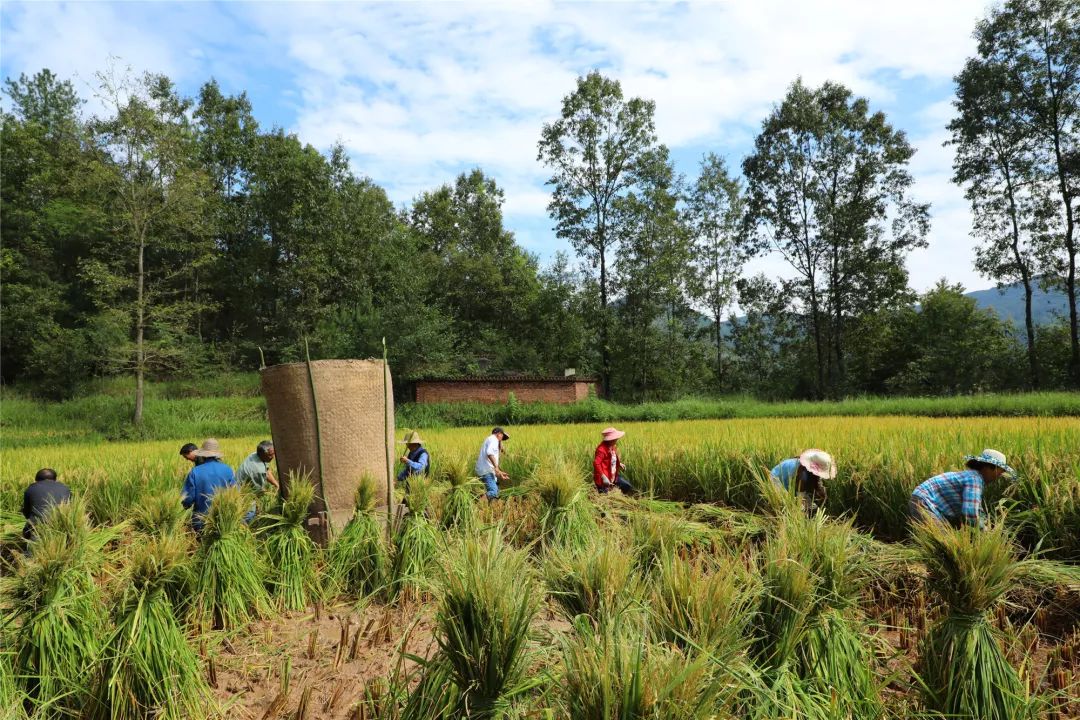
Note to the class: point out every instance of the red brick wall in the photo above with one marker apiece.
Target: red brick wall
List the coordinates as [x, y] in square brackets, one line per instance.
[432, 391]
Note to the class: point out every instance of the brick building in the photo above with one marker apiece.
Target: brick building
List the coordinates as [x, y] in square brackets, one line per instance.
[526, 388]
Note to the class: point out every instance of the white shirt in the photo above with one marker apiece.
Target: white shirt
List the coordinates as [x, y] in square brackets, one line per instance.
[490, 447]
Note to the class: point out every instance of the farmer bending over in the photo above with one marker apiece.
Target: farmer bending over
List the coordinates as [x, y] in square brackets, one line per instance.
[487, 464]
[204, 480]
[255, 472]
[416, 459]
[810, 471]
[607, 467]
[956, 497]
[39, 499]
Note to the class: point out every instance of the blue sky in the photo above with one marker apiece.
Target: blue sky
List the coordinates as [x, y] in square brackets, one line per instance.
[418, 92]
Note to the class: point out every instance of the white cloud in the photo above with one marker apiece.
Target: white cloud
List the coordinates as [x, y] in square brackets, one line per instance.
[420, 91]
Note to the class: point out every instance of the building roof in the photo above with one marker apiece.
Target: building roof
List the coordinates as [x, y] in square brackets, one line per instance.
[509, 379]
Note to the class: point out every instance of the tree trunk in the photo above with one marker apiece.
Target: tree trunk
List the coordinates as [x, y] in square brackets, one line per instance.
[1070, 240]
[140, 349]
[815, 319]
[1025, 277]
[605, 351]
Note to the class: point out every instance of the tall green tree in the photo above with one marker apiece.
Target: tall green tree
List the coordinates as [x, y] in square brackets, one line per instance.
[158, 198]
[595, 150]
[1035, 45]
[480, 277]
[715, 214]
[51, 214]
[829, 189]
[1011, 206]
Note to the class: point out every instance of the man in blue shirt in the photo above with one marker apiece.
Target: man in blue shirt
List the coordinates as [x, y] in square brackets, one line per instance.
[417, 460]
[809, 471]
[955, 498]
[204, 480]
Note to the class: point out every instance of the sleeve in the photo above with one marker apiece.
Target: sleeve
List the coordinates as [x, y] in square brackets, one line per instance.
[189, 490]
[420, 465]
[491, 446]
[600, 467]
[27, 506]
[971, 504]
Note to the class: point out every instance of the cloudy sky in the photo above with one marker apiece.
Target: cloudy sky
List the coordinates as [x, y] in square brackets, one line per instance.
[418, 92]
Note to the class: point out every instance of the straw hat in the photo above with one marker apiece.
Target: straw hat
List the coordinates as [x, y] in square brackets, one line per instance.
[410, 438]
[991, 457]
[611, 434]
[819, 463]
[210, 449]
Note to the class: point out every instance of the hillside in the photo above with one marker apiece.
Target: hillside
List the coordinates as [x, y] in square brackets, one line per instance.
[1008, 302]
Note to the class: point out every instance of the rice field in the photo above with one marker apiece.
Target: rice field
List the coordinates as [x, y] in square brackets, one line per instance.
[708, 595]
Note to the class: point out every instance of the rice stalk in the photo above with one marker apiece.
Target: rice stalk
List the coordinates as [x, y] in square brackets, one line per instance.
[358, 558]
[612, 673]
[599, 582]
[230, 574]
[459, 506]
[160, 514]
[148, 668]
[696, 605]
[487, 602]
[54, 606]
[567, 517]
[290, 551]
[415, 543]
[964, 669]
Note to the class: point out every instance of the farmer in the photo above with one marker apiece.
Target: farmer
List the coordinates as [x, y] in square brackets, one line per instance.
[40, 497]
[255, 472]
[956, 497]
[810, 471]
[487, 464]
[417, 460]
[607, 467]
[204, 480]
[187, 451]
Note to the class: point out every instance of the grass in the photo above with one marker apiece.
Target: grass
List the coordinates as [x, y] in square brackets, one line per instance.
[148, 668]
[231, 405]
[486, 606]
[54, 605]
[290, 552]
[230, 575]
[358, 558]
[965, 671]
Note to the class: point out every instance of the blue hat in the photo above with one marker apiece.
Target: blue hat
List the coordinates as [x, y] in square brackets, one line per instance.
[991, 457]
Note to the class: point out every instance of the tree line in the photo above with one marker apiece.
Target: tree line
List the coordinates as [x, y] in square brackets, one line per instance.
[172, 236]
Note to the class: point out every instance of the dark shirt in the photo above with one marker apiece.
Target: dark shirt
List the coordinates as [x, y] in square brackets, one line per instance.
[41, 496]
[201, 484]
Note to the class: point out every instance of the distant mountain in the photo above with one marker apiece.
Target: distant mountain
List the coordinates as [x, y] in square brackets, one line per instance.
[1008, 302]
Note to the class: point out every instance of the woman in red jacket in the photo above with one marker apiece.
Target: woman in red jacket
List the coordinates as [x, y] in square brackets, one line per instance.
[607, 468]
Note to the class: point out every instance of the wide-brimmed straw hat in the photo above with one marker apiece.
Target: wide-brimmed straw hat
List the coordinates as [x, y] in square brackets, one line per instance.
[210, 449]
[819, 463]
[991, 457]
[411, 438]
[611, 433]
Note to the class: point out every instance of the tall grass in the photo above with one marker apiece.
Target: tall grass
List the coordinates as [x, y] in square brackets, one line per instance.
[54, 606]
[611, 673]
[458, 510]
[148, 668]
[160, 514]
[486, 604]
[415, 543]
[290, 552]
[964, 670]
[230, 574]
[567, 517]
[600, 581]
[358, 559]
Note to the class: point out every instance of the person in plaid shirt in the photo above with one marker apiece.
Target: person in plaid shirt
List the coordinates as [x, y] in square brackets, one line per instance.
[956, 497]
